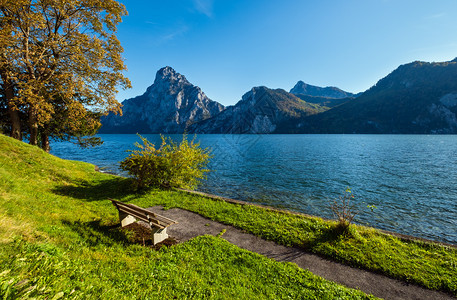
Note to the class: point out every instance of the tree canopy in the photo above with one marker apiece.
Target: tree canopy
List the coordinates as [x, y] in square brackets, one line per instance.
[60, 67]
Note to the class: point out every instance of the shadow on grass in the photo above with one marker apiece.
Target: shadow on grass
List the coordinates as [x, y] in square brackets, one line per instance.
[329, 235]
[94, 233]
[100, 190]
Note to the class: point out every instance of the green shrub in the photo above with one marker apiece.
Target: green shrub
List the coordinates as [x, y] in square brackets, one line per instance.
[180, 165]
[344, 210]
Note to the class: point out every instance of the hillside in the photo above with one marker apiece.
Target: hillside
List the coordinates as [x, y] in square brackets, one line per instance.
[326, 102]
[59, 239]
[261, 110]
[419, 97]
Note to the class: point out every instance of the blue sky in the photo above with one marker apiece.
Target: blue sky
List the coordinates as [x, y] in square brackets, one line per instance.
[226, 47]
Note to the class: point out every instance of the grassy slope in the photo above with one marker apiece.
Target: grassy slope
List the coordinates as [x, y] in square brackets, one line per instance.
[58, 238]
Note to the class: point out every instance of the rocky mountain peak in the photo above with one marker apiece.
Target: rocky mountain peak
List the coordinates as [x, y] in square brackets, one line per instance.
[168, 74]
[168, 106]
[167, 80]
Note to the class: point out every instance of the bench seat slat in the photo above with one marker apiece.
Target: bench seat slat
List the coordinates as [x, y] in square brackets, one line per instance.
[133, 207]
[136, 208]
[142, 215]
[165, 219]
[152, 216]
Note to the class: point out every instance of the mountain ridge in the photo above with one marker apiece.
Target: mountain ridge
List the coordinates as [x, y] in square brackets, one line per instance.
[260, 110]
[418, 97]
[302, 88]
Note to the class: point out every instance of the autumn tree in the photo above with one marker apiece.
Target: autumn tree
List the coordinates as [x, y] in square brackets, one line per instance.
[60, 66]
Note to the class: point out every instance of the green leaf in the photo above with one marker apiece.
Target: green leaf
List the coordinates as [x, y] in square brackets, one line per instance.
[58, 295]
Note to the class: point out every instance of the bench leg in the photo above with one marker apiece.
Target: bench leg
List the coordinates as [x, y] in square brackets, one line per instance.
[126, 219]
[159, 235]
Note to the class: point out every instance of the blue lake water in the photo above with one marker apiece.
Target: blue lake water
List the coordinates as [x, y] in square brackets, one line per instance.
[411, 179]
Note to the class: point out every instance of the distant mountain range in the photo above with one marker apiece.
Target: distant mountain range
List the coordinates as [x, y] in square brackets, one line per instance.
[418, 97]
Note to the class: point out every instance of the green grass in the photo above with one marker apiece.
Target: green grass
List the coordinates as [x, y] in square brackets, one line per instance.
[59, 239]
[204, 267]
[429, 265]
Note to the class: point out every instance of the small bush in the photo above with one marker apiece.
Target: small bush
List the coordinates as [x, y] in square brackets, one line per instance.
[180, 165]
[344, 210]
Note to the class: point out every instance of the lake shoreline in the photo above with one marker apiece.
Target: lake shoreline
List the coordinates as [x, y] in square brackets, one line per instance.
[272, 208]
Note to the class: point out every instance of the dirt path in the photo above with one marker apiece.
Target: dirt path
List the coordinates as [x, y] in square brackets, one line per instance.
[191, 225]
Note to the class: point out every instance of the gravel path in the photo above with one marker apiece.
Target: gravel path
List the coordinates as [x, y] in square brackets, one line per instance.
[191, 225]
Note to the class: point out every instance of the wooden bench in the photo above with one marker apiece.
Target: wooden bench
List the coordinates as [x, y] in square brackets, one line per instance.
[130, 213]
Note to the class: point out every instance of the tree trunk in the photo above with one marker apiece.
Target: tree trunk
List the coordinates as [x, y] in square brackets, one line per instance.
[45, 141]
[15, 123]
[13, 113]
[33, 127]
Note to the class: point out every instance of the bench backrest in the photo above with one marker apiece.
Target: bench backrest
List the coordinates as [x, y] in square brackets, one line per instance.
[142, 214]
